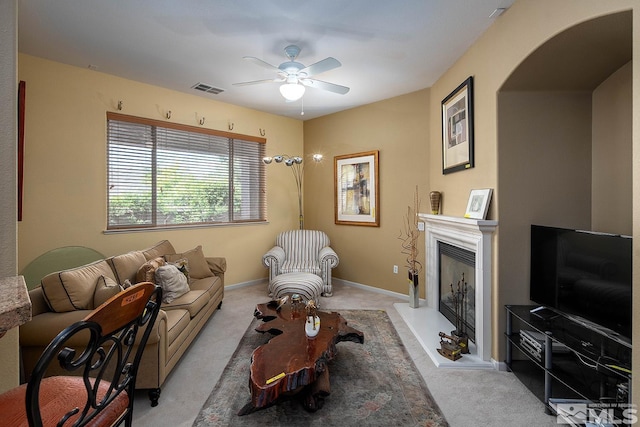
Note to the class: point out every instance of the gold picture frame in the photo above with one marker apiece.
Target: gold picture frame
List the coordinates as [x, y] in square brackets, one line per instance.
[357, 195]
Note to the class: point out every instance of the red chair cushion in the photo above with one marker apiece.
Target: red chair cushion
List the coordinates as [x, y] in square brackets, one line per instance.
[58, 395]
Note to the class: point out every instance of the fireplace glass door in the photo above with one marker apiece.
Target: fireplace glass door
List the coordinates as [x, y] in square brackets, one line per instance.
[454, 262]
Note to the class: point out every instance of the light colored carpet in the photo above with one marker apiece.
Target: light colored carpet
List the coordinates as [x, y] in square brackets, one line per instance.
[466, 397]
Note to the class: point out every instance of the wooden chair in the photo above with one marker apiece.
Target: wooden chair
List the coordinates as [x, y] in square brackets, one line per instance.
[103, 394]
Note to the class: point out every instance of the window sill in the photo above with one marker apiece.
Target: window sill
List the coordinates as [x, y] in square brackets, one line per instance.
[181, 227]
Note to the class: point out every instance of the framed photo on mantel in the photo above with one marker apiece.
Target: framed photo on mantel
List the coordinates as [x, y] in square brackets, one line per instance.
[457, 129]
[478, 203]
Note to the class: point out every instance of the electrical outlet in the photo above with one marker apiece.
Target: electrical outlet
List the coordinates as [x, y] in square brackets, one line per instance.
[395, 269]
[420, 226]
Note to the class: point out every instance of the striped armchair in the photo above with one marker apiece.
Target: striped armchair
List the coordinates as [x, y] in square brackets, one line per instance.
[302, 251]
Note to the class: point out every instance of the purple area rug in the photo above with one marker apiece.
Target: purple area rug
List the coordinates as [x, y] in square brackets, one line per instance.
[372, 384]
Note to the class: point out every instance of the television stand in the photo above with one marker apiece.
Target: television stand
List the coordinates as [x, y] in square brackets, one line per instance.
[560, 359]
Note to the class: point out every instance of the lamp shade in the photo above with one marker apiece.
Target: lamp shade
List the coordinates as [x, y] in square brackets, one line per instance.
[292, 91]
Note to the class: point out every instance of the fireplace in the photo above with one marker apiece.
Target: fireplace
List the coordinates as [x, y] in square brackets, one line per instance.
[457, 286]
[471, 238]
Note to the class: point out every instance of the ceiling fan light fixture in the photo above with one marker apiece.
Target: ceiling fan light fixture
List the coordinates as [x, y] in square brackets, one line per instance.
[292, 91]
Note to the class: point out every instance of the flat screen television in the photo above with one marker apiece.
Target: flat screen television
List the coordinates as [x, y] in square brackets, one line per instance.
[585, 274]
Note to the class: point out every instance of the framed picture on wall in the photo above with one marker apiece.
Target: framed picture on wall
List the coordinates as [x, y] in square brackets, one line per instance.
[457, 128]
[22, 87]
[357, 197]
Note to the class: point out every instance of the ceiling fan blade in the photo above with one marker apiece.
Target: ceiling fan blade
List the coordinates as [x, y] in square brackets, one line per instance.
[255, 82]
[319, 84]
[321, 66]
[259, 62]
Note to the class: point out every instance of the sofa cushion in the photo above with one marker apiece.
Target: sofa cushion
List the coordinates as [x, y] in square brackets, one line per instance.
[209, 284]
[147, 271]
[43, 328]
[73, 289]
[126, 266]
[174, 284]
[193, 301]
[161, 248]
[105, 289]
[198, 267]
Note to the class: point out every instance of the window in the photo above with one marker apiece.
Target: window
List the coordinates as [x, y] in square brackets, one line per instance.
[163, 175]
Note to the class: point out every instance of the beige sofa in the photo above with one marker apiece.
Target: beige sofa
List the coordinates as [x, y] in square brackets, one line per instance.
[67, 296]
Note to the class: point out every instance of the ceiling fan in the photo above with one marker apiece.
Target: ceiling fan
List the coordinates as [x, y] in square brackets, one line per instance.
[296, 76]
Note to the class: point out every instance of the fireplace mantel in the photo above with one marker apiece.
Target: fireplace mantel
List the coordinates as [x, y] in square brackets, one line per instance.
[475, 236]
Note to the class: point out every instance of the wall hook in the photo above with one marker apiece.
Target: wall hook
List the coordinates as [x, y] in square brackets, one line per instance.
[201, 121]
[120, 105]
[262, 132]
[168, 114]
[231, 125]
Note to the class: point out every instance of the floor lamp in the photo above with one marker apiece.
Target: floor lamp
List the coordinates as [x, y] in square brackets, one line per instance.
[297, 168]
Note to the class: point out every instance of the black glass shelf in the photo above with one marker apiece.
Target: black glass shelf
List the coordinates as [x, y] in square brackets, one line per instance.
[585, 361]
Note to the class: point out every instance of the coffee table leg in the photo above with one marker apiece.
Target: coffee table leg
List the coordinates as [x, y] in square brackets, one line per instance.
[321, 388]
[247, 409]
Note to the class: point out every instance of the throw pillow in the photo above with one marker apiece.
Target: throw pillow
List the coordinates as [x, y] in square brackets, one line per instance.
[73, 289]
[172, 281]
[198, 267]
[126, 266]
[147, 271]
[183, 266]
[105, 289]
[159, 249]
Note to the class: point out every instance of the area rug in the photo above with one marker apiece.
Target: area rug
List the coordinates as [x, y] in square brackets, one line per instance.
[372, 384]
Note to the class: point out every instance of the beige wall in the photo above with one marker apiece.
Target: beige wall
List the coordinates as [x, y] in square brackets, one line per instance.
[544, 178]
[635, 147]
[527, 25]
[574, 169]
[515, 35]
[9, 366]
[491, 60]
[68, 111]
[65, 173]
[399, 129]
[612, 167]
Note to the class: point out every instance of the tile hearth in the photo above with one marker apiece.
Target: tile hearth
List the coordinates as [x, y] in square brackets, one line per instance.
[425, 323]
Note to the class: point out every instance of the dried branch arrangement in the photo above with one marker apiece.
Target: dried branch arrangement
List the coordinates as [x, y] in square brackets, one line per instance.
[409, 237]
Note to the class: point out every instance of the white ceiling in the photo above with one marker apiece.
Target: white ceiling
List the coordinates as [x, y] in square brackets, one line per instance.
[387, 48]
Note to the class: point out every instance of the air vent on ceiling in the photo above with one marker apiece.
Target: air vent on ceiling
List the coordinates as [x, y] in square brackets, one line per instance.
[207, 88]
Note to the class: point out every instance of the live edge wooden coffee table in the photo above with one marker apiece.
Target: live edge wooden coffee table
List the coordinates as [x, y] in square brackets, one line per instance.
[290, 363]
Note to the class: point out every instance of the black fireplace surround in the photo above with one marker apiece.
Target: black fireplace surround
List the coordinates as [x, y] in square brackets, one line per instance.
[453, 262]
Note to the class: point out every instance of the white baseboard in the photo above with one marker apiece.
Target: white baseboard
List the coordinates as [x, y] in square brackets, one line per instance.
[245, 284]
[372, 289]
[500, 366]
[334, 280]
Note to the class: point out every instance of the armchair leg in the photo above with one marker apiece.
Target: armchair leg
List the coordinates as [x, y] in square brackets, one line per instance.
[154, 395]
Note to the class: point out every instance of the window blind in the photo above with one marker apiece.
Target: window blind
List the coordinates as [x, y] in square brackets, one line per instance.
[163, 175]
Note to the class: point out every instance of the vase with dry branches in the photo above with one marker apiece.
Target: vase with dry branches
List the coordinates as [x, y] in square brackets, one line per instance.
[409, 236]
